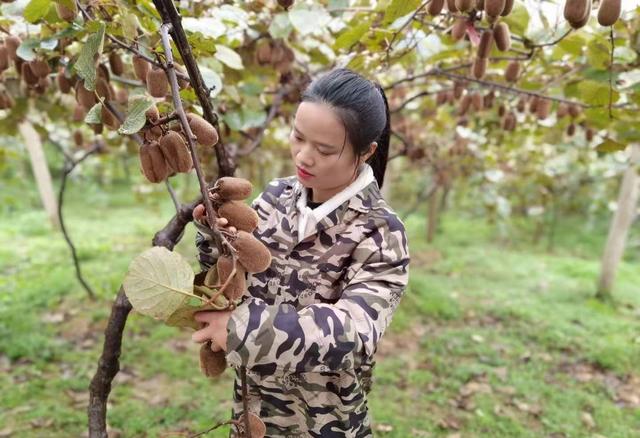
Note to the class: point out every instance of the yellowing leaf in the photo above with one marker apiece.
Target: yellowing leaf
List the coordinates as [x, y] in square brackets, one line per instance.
[158, 282]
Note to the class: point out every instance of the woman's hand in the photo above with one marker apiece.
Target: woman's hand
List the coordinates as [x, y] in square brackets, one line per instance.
[199, 214]
[214, 328]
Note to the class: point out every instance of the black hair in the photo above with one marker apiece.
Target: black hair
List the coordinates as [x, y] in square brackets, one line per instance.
[362, 107]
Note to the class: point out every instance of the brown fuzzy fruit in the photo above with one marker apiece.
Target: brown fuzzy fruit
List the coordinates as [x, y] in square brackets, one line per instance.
[502, 36]
[109, 119]
[27, 74]
[509, 121]
[577, 12]
[502, 110]
[157, 82]
[486, 44]
[451, 6]
[103, 89]
[4, 57]
[79, 112]
[494, 8]
[252, 254]
[458, 89]
[464, 5]
[544, 109]
[205, 133]
[459, 29]
[77, 137]
[65, 13]
[64, 83]
[589, 134]
[286, 4]
[512, 71]
[12, 42]
[40, 68]
[435, 7]
[233, 188]
[480, 5]
[237, 286]
[257, 428]
[477, 101]
[97, 128]
[489, 99]
[571, 130]
[122, 96]
[533, 104]
[176, 152]
[479, 67]
[116, 64]
[152, 162]
[140, 67]
[212, 363]
[441, 97]
[508, 7]
[574, 110]
[465, 104]
[609, 12]
[152, 114]
[239, 215]
[562, 111]
[84, 97]
[522, 105]
[263, 52]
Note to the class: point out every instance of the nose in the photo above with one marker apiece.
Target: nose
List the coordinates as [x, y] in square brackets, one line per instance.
[304, 156]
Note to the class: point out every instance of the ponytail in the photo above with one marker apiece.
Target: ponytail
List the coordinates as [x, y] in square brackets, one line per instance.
[378, 161]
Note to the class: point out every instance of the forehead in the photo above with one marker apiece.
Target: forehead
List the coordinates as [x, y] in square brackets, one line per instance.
[320, 123]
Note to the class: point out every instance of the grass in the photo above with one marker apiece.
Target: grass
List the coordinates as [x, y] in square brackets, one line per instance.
[495, 337]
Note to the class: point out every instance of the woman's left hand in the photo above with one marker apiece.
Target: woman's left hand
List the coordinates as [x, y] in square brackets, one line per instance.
[214, 328]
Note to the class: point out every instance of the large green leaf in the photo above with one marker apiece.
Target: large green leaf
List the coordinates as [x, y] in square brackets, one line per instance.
[36, 9]
[306, 21]
[228, 57]
[596, 93]
[399, 8]
[25, 50]
[518, 19]
[280, 26]
[158, 283]
[608, 146]
[599, 53]
[136, 117]
[89, 55]
[351, 35]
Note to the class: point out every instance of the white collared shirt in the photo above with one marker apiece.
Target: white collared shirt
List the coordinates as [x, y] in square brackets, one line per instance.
[309, 218]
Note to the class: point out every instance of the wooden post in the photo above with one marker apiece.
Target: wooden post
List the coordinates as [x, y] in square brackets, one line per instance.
[40, 170]
[620, 225]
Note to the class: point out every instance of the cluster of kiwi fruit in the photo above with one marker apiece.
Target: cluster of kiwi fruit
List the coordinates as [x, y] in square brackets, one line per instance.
[578, 12]
[165, 150]
[274, 53]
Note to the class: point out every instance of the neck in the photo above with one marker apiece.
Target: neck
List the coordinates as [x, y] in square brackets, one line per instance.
[322, 195]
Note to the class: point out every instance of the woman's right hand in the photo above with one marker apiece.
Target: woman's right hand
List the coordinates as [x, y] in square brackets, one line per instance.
[199, 214]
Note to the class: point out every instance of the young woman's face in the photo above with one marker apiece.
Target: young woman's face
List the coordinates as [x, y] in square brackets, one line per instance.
[317, 138]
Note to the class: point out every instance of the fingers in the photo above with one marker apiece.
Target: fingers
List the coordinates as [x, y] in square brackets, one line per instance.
[215, 347]
[202, 335]
[204, 316]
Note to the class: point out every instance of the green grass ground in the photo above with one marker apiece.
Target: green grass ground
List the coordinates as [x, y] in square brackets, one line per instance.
[494, 337]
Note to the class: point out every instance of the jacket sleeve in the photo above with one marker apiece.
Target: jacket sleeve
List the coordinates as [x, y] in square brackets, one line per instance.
[327, 337]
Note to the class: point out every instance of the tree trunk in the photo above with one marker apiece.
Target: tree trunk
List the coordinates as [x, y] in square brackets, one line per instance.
[432, 220]
[40, 171]
[620, 225]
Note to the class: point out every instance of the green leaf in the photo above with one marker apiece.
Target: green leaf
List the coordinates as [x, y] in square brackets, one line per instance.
[183, 317]
[399, 8]
[25, 50]
[573, 44]
[280, 26]
[599, 53]
[596, 93]
[130, 25]
[305, 21]
[211, 79]
[89, 55]
[228, 57]
[136, 117]
[608, 146]
[518, 19]
[351, 35]
[94, 116]
[36, 9]
[158, 282]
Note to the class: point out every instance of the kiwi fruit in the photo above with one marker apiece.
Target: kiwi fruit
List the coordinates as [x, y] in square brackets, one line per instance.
[609, 12]
[64, 83]
[157, 82]
[459, 29]
[39, 67]
[233, 188]
[116, 64]
[494, 8]
[286, 4]
[65, 13]
[502, 36]
[97, 128]
[458, 89]
[79, 113]
[477, 101]
[176, 152]
[237, 286]
[502, 110]
[571, 130]
[480, 5]
[574, 110]
[212, 363]
[435, 7]
[77, 137]
[577, 12]
[589, 134]
[489, 99]
[465, 104]
[103, 89]
[4, 57]
[486, 44]
[257, 428]
[204, 131]
[512, 71]
[479, 67]
[122, 96]
[521, 105]
[12, 42]
[84, 97]
[252, 254]
[140, 67]
[109, 119]
[508, 7]
[182, 83]
[441, 97]
[562, 111]
[544, 109]
[533, 104]
[464, 5]
[263, 52]
[239, 215]
[451, 6]
[152, 162]
[27, 74]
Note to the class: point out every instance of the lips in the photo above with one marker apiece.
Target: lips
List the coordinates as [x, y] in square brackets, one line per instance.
[304, 172]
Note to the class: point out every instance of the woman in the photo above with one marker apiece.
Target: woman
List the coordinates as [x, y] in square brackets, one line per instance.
[308, 326]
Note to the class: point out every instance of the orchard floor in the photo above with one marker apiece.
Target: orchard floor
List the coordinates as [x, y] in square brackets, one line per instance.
[494, 337]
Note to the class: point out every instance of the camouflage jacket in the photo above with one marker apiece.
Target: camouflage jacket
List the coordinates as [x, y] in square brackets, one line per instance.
[308, 327]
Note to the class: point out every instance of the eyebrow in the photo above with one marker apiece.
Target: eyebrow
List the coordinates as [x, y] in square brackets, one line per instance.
[333, 148]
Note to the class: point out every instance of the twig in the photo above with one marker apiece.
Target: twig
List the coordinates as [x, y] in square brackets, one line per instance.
[173, 195]
[204, 432]
[245, 400]
[399, 31]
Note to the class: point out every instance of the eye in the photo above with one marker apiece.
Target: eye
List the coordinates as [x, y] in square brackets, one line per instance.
[323, 153]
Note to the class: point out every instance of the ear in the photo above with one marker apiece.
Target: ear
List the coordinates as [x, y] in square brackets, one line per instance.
[372, 150]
